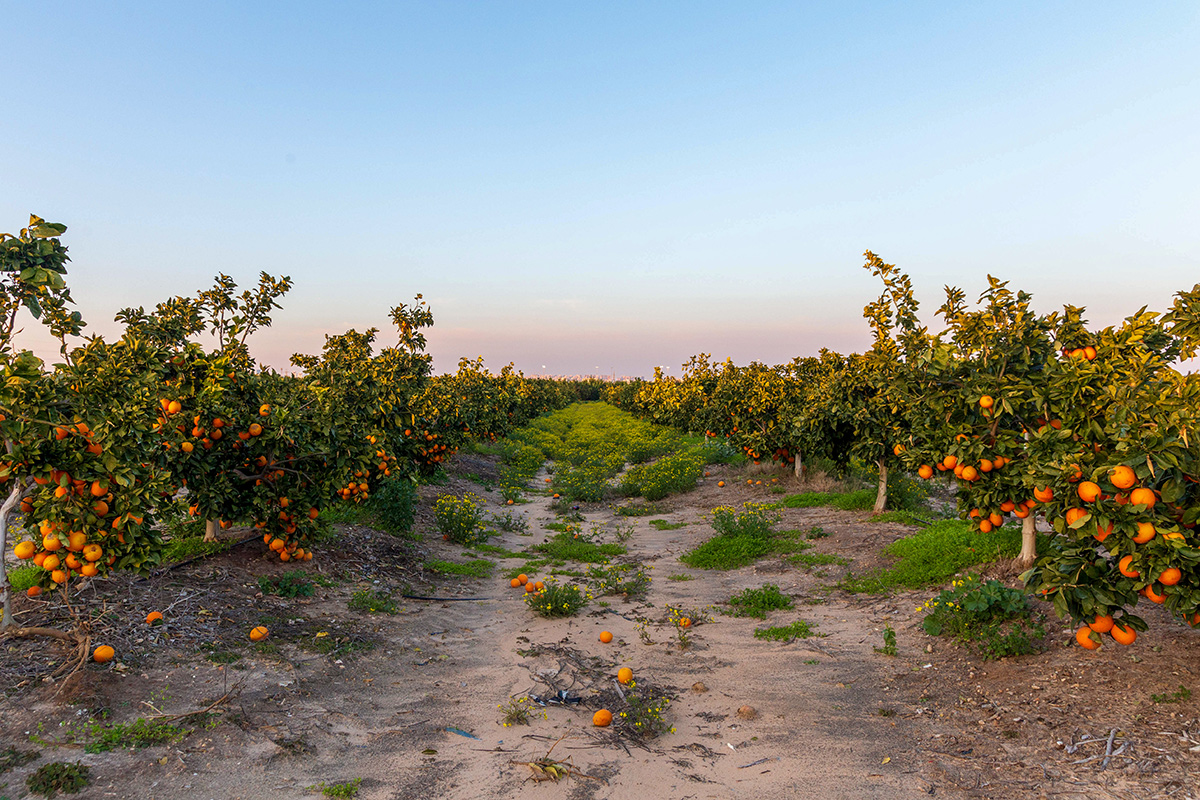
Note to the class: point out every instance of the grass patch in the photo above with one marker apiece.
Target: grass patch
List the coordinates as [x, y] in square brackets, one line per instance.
[214, 653]
[903, 517]
[787, 633]
[663, 525]
[566, 547]
[21, 578]
[530, 567]
[758, 602]
[477, 568]
[636, 510]
[373, 601]
[502, 552]
[860, 500]
[742, 538]
[561, 527]
[293, 583]
[680, 577]
[811, 560]
[331, 644]
[936, 554]
[182, 549]
[1180, 695]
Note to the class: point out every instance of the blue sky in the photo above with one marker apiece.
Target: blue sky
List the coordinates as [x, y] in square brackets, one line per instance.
[612, 186]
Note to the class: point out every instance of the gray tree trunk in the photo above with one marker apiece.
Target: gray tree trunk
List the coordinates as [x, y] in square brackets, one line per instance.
[10, 502]
[881, 496]
[798, 467]
[210, 530]
[1028, 541]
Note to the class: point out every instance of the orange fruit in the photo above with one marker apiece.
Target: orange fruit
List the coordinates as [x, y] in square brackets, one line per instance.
[187, 447]
[1123, 634]
[986, 401]
[51, 562]
[51, 543]
[969, 473]
[985, 465]
[174, 407]
[1043, 494]
[153, 617]
[1102, 531]
[33, 591]
[996, 519]
[530, 587]
[93, 552]
[89, 570]
[25, 550]
[259, 633]
[1124, 568]
[103, 654]
[925, 471]
[950, 461]
[1153, 596]
[514, 583]
[1088, 492]
[985, 526]
[1170, 576]
[1122, 477]
[685, 622]
[1007, 506]
[256, 429]
[602, 718]
[1142, 496]
[1074, 515]
[720, 483]
[522, 579]
[264, 410]
[1102, 624]
[1145, 532]
[539, 585]
[606, 636]
[624, 675]
[1084, 637]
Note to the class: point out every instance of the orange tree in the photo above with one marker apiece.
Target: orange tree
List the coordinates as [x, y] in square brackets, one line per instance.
[1119, 471]
[78, 437]
[972, 398]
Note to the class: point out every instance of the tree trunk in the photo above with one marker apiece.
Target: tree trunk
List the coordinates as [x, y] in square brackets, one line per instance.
[881, 496]
[13, 498]
[1028, 541]
[798, 467]
[210, 530]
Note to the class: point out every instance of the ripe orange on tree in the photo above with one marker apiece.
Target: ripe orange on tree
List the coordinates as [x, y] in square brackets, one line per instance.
[1084, 637]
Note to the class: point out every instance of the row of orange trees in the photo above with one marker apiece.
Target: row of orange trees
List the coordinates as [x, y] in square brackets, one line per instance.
[96, 444]
[1030, 415]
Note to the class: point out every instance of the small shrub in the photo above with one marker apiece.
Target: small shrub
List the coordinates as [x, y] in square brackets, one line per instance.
[816, 532]
[137, 734]
[373, 601]
[756, 520]
[680, 576]
[645, 713]
[630, 580]
[889, 642]
[460, 519]
[742, 538]
[50, 779]
[21, 578]
[293, 583]
[338, 790]
[758, 602]
[513, 523]
[986, 616]
[11, 758]
[663, 525]
[575, 545]
[636, 510]
[181, 549]
[787, 633]
[519, 711]
[394, 505]
[558, 600]
[670, 474]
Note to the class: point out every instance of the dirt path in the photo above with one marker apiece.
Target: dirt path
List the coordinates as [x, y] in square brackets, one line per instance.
[339, 695]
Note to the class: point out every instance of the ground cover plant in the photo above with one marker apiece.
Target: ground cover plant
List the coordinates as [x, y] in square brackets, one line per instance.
[993, 620]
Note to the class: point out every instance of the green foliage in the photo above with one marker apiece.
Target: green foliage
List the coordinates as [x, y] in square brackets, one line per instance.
[860, 500]
[759, 602]
[811, 560]
[21, 578]
[987, 616]
[460, 519]
[519, 711]
[513, 523]
[574, 545]
[476, 568]
[393, 505]
[11, 758]
[1180, 695]
[816, 532]
[338, 790]
[787, 633]
[50, 779]
[176, 550]
[680, 576]
[373, 601]
[889, 641]
[558, 600]
[632, 580]
[663, 525]
[934, 555]
[742, 538]
[645, 712]
[137, 734]
[293, 583]
[670, 474]
[636, 510]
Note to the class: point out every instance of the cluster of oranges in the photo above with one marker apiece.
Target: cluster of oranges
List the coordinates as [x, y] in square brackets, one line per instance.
[531, 586]
[287, 551]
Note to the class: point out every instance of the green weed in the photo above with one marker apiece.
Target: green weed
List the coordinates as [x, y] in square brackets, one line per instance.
[787, 633]
[759, 602]
[477, 568]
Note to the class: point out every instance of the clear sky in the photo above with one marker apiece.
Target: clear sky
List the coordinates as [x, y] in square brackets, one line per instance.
[605, 187]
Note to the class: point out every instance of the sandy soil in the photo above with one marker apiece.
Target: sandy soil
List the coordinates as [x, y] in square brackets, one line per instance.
[408, 702]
